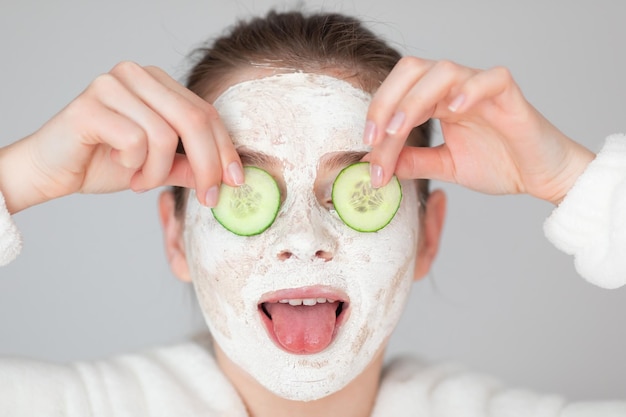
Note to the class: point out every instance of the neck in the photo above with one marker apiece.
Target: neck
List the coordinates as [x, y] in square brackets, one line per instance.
[347, 402]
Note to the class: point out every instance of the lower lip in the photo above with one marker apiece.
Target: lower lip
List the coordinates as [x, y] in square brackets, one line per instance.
[269, 326]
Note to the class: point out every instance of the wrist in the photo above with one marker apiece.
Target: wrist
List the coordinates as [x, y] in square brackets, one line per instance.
[16, 182]
[578, 161]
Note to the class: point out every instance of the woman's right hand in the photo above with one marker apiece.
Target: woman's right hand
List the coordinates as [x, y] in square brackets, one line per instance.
[122, 133]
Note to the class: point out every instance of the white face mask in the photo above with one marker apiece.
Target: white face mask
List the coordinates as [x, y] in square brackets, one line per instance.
[308, 253]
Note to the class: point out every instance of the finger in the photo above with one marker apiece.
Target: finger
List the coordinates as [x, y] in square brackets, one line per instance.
[492, 83]
[191, 120]
[382, 160]
[127, 139]
[165, 79]
[181, 174]
[232, 171]
[160, 138]
[203, 156]
[381, 115]
[158, 163]
[417, 106]
[425, 163]
[430, 95]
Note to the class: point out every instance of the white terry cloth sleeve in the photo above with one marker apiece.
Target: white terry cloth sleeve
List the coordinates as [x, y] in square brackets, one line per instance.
[182, 381]
[413, 388]
[10, 239]
[590, 223]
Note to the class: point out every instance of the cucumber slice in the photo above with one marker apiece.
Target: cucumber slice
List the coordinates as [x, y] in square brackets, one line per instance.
[359, 205]
[250, 208]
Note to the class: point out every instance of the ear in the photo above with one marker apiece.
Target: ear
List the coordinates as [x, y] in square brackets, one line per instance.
[430, 234]
[173, 236]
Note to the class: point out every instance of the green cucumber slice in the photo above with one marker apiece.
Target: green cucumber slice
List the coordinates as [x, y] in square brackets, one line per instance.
[359, 205]
[250, 208]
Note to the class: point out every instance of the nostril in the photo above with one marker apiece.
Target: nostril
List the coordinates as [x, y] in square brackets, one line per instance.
[322, 254]
[284, 255]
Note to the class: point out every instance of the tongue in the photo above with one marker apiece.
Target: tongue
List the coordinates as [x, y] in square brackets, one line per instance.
[303, 329]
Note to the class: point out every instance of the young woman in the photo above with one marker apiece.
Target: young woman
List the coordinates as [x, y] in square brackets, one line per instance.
[300, 314]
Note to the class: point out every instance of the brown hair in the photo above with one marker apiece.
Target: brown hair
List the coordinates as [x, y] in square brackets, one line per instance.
[323, 42]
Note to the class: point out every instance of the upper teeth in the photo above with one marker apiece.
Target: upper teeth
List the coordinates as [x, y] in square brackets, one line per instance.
[306, 301]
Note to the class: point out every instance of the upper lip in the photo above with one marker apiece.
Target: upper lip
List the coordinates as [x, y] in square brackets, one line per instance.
[313, 292]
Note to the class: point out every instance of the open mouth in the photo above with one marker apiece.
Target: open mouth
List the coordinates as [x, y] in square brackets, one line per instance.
[303, 321]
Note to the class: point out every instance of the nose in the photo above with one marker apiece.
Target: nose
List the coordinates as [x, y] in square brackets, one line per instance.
[305, 236]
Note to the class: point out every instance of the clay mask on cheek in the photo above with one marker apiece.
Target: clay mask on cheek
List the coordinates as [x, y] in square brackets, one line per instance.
[250, 288]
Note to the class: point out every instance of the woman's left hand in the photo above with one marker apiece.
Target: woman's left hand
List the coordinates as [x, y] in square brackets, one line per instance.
[494, 141]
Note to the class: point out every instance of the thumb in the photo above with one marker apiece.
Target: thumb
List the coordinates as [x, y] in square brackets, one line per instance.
[181, 173]
[425, 163]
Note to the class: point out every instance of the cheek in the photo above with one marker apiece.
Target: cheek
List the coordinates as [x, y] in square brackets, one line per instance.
[400, 283]
[392, 277]
[220, 272]
[380, 285]
[391, 256]
[219, 264]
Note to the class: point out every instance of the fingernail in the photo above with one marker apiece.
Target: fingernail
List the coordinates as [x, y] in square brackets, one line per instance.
[210, 199]
[236, 173]
[396, 123]
[370, 132]
[376, 174]
[456, 103]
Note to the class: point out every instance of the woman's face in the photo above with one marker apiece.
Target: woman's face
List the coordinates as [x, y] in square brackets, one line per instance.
[255, 291]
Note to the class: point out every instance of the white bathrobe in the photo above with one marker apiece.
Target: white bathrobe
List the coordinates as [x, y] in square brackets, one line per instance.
[184, 380]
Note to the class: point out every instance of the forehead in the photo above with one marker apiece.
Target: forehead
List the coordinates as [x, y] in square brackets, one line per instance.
[295, 117]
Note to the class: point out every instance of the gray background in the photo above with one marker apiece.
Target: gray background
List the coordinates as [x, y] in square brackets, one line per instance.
[93, 281]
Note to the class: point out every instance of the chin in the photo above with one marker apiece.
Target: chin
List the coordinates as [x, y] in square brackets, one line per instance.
[360, 333]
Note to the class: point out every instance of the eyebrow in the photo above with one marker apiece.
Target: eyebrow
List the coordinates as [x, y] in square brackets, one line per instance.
[341, 159]
[258, 159]
[330, 162]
